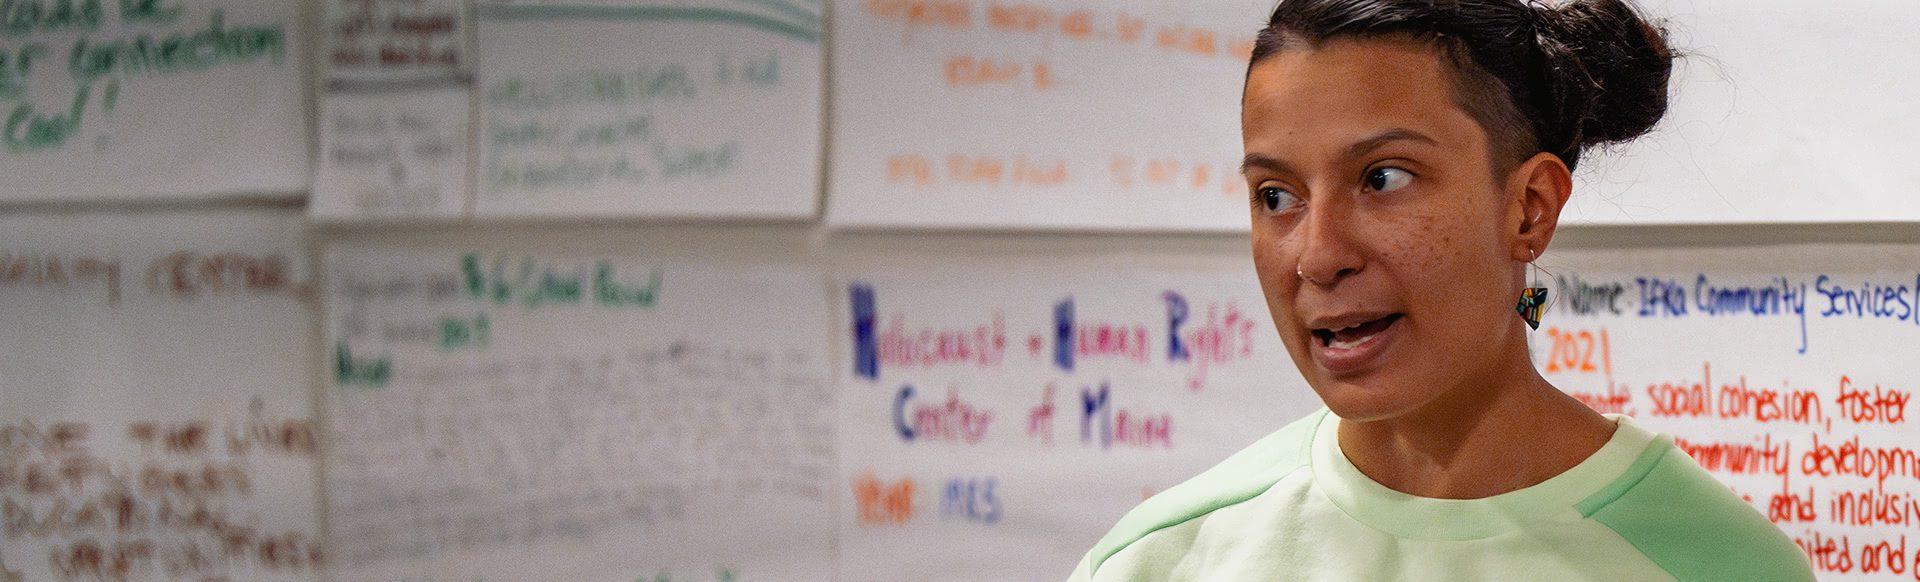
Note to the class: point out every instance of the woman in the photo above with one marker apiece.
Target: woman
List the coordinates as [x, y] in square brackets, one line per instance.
[1408, 159]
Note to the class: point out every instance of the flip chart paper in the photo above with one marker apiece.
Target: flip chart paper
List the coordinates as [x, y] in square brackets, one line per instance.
[995, 425]
[513, 415]
[146, 100]
[662, 109]
[1108, 115]
[155, 401]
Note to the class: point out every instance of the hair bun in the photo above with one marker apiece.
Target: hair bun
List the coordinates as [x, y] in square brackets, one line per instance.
[1608, 68]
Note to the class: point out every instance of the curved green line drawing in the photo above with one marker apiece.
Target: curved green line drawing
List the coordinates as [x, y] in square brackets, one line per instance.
[809, 33]
[789, 9]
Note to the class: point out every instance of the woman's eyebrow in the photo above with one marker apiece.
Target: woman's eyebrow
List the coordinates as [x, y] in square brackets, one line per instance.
[1365, 146]
[1359, 148]
[1267, 163]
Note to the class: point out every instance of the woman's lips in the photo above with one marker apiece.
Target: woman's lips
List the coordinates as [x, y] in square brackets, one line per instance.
[1356, 348]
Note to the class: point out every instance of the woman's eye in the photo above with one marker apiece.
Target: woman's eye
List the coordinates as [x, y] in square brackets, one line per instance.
[1274, 198]
[1388, 179]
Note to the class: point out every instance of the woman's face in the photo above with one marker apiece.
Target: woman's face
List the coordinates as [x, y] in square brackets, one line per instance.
[1385, 246]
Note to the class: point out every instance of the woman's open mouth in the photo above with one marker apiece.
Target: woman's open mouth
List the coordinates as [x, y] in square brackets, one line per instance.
[1354, 347]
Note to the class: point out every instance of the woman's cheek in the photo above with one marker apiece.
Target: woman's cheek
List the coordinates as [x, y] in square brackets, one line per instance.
[1270, 262]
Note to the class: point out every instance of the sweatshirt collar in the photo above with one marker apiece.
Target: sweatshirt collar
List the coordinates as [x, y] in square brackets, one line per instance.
[1415, 517]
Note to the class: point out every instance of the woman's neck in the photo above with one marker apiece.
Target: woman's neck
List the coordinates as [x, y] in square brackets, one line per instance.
[1500, 432]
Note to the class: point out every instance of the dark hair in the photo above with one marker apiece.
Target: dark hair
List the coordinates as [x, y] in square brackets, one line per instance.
[1537, 77]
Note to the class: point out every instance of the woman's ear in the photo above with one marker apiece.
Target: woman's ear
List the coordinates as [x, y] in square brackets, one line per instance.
[1539, 189]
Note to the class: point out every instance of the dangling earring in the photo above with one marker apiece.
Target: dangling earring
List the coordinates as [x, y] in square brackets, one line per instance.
[1533, 300]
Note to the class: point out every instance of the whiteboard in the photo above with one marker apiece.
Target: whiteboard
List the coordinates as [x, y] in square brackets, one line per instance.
[1779, 114]
[93, 100]
[1786, 371]
[168, 355]
[504, 414]
[653, 109]
[1105, 115]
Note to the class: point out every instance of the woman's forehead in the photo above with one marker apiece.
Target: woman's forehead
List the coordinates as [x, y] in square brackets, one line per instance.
[1343, 91]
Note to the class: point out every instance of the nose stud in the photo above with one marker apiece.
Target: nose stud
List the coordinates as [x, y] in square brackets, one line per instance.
[1303, 275]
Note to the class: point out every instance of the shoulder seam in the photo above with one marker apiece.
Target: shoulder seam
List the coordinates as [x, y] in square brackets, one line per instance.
[1194, 506]
[1643, 465]
[1095, 567]
[1764, 552]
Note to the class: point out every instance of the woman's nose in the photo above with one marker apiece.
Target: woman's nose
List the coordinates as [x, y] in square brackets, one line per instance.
[1327, 249]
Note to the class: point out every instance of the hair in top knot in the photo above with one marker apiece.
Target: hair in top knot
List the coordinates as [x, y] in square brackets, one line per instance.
[1557, 78]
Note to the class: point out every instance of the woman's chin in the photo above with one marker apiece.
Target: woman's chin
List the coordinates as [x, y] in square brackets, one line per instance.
[1373, 401]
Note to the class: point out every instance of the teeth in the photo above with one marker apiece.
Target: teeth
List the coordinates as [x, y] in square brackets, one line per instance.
[1337, 343]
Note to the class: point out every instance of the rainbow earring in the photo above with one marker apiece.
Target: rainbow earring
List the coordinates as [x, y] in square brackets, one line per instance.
[1533, 299]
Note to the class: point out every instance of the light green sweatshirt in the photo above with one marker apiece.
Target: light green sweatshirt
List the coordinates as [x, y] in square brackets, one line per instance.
[1292, 507]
